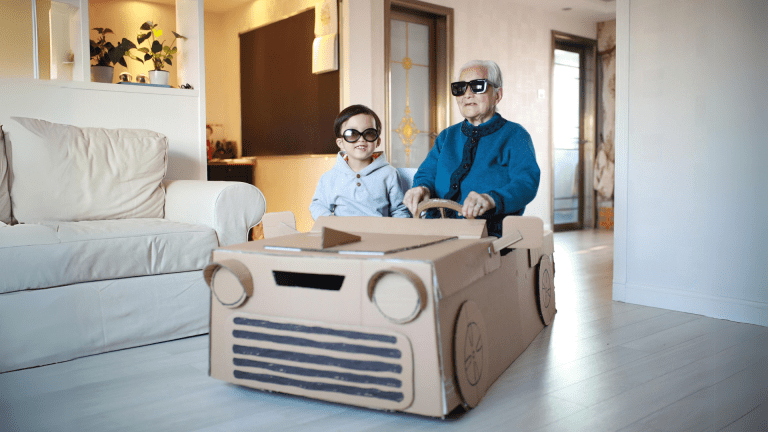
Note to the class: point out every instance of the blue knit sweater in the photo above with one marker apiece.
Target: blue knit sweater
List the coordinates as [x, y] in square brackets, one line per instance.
[496, 158]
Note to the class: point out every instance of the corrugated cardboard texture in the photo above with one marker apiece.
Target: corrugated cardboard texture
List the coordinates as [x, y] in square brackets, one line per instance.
[369, 243]
[333, 292]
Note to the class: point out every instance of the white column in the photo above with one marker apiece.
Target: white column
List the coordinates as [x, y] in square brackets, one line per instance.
[622, 150]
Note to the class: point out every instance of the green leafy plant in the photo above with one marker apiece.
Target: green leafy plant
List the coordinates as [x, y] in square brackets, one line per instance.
[160, 53]
[106, 54]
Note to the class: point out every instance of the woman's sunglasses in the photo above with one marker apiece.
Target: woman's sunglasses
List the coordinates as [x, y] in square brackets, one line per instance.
[477, 86]
[352, 135]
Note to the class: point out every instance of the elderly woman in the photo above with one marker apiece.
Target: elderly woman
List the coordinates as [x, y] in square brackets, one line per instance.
[485, 163]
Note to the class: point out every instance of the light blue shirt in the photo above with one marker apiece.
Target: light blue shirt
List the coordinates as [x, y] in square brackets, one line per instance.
[374, 191]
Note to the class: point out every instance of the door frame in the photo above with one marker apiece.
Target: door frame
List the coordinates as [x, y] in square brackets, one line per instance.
[587, 128]
[443, 17]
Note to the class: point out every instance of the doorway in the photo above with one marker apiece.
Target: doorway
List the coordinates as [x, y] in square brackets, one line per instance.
[573, 131]
[418, 54]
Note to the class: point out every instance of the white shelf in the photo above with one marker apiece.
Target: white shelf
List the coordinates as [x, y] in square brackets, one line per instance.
[119, 88]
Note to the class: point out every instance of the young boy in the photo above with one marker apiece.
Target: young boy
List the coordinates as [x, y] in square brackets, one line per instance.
[360, 183]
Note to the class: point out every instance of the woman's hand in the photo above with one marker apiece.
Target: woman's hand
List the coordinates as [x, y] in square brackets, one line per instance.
[414, 196]
[476, 204]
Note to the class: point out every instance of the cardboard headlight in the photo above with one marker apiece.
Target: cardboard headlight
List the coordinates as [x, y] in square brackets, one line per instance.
[230, 282]
[398, 293]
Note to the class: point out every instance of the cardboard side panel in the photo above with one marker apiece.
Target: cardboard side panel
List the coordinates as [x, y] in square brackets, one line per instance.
[527, 279]
[470, 354]
[460, 269]
[530, 227]
[505, 298]
[422, 332]
[547, 248]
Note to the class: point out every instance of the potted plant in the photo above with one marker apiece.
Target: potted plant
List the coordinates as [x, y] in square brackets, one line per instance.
[160, 53]
[106, 55]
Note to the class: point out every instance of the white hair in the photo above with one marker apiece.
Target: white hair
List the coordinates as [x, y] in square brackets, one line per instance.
[490, 66]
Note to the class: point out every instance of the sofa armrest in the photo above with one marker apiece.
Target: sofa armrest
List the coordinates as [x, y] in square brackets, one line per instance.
[230, 208]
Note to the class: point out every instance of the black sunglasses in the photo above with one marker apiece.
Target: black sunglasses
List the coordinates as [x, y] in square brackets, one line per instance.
[477, 86]
[352, 135]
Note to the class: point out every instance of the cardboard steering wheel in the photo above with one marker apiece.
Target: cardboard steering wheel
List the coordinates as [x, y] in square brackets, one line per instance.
[439, 203]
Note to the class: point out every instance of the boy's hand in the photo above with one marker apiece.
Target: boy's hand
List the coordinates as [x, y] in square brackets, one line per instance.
[413, 197]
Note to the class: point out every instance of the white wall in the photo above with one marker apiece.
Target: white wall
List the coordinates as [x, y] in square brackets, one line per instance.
[519, 39]
[515, 36]
[168, 111]
[216, 69]
[16, 49]
[692, 195]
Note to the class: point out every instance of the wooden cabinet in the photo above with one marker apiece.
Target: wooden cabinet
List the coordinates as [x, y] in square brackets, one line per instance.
[231, 170]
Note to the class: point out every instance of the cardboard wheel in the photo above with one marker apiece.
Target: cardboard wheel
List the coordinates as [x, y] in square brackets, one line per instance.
[545, 292]
[470, 354]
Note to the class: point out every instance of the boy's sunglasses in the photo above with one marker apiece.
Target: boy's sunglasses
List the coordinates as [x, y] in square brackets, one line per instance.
[477, 86]
[352, 135]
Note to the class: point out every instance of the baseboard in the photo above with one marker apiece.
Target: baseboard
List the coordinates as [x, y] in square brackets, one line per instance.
[744, 311]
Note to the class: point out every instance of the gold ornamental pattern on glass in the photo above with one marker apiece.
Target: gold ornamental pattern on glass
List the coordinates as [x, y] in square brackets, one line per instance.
[407, 129]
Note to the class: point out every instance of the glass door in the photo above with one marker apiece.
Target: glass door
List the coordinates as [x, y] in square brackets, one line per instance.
[412, 89]
[567, 139]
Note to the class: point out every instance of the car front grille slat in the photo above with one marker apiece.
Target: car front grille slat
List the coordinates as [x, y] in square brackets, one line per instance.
[375, 366]
[332, 346]
[362, 366]
[323, 387]
[348, 334]
[341, 376]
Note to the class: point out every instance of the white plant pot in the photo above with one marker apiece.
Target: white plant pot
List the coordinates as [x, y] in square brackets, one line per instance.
[159, 77]
[102, 74]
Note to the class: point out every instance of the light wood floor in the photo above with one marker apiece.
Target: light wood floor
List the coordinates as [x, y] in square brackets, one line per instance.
[601, 366]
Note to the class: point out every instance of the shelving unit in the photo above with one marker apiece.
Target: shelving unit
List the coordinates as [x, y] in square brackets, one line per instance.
[177, 113]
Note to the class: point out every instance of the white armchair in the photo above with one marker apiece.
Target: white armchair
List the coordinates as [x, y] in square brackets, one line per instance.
[217, 204]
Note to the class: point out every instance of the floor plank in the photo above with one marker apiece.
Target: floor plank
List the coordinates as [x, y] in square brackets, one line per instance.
[755, 420]
[731, 398]
[640, 401]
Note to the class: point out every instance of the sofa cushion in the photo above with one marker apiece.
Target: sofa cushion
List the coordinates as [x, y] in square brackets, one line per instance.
[5, 196]
[60, 253]
[84, 173]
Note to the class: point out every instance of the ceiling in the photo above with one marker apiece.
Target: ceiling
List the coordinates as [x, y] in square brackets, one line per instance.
[593, 10]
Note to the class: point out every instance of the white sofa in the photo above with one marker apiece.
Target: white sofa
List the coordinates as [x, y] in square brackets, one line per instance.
[98, 251]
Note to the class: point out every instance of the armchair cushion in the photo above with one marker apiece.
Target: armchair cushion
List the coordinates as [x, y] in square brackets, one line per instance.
[61, 253]
[84, 173]
[230, 208]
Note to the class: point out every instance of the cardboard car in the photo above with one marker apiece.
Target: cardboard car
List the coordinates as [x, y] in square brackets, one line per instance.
[411, 315]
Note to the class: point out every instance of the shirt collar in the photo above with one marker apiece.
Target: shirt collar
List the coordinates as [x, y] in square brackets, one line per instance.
[378, 162]
[484, 129]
